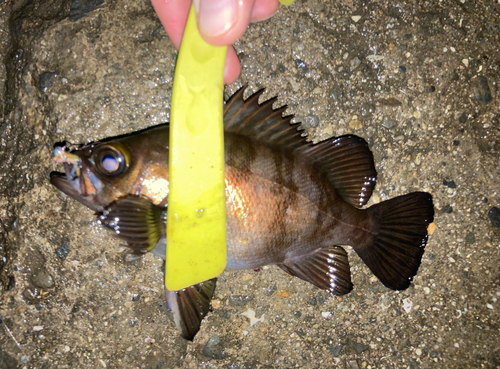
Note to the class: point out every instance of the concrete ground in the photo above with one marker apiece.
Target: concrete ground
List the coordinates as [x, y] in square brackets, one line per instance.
[419, 80]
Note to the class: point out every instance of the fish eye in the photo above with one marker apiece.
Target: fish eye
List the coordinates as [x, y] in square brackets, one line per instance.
[110, 161]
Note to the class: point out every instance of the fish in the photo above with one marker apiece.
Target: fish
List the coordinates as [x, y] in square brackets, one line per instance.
[289, 202]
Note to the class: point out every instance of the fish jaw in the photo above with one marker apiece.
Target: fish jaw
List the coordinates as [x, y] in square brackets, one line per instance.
[72, 189]
[77, 181]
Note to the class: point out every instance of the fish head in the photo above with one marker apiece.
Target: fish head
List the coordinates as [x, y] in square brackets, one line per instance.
[94, 174]
[98, 174]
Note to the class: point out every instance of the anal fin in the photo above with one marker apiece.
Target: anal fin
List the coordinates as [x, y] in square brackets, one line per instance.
[326, 268]
[190, 305]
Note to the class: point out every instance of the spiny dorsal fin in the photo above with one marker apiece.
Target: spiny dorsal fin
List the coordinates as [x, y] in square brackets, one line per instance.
[346, 161]
[326, 268]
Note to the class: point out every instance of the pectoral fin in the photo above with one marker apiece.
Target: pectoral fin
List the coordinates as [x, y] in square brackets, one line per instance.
[135, 220]
[190, 305]
[326, 268]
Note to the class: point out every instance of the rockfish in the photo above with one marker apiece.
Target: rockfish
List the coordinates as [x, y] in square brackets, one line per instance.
[289, 202]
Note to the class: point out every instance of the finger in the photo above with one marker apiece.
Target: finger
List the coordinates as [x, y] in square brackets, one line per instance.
[173, 15]
[264, 9]
[222, 22]
[232, 67]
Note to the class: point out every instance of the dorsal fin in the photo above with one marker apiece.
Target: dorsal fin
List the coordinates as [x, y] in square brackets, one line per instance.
[346, 161]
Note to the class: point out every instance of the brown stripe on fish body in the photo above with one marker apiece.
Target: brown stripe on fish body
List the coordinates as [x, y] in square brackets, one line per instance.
[239, 152]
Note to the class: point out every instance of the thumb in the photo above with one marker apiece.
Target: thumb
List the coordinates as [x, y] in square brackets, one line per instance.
[222, 22]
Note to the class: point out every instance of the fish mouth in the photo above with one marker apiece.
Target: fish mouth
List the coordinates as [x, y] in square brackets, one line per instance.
[78, 181]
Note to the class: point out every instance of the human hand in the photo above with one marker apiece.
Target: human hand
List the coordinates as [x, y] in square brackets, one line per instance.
[220, 22]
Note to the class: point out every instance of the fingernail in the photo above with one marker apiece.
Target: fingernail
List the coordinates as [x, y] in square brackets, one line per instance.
[215, 16]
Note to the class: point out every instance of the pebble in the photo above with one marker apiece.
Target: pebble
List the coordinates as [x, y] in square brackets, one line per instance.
[301, 65]
[355, 62]
[388, 122]
[447, 209]
[355, 123]
[360, 347]
[46, 79]
[63, 251]
[214, 348]
[300, 333]
[320, 298]
[239, 300]
[310, 121]
[270, 290]
[470, 237]
[494, 215]
[136, 297]
[313, 301]
[42, 279]
[482, 91]
[297, 314]
[450, 184]
[335, 350]
[352, 364]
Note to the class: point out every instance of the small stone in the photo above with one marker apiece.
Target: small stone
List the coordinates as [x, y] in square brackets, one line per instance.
[450, 184]
[470, 237]
[455, 143]
[283, 293]
[42, 279]
[388, 122]
[301, 65]
[297, 314]
[355, 123]
[239, 300]
[270, 290]
[30, 293]
[214, 348]
[313, 301]
[402, 68]
[310, 121]
[300, 333]
[462, 118]
[335, 350]
[46, 79]
[320, 298]
[447, 209]
[136, 297]
[352, 364]
[360, 347]
[63, 251]
[494, 215]
[482, 91]
[355, 62]
[356, 18]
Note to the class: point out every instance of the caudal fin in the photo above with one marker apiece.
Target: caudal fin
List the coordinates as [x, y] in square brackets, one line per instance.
[400, 234]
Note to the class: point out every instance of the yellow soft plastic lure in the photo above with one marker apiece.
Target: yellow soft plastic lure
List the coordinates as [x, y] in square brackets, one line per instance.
[196, 220]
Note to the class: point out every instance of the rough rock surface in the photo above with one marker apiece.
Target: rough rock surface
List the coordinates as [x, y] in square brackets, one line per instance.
[418, 80]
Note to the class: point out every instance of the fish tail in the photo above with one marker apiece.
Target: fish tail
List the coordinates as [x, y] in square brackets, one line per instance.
[394, 251]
